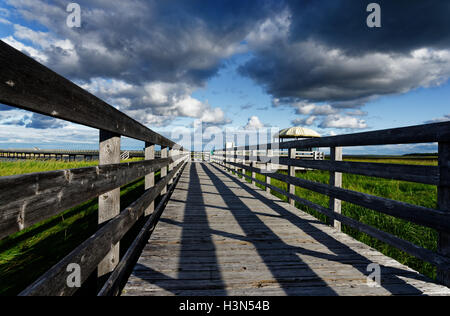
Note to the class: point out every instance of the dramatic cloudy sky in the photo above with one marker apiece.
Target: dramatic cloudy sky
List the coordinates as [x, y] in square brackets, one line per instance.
[237, 64]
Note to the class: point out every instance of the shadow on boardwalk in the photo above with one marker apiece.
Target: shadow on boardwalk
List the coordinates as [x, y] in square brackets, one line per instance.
[202, 270]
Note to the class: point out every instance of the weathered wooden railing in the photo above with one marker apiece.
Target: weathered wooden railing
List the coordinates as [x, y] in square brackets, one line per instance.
[31, 198]
[200, 156]
[438, 219]
[58, 154]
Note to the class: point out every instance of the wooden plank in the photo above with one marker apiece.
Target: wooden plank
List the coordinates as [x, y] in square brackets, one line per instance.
[443, 274]
[336, 181]
[417, 214]
[26, 84]
[149, 178]
[91, 252]
[30, 198]
[268, 168]
[291, 171]
[109, 202]
[164, 154]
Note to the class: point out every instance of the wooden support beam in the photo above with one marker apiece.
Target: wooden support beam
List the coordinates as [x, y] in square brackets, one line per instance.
[109, 203]
[149, 178]
[164, 154]
[336, 181]
[292, 155]
[443, 275]
[255, 154]
[269, 167]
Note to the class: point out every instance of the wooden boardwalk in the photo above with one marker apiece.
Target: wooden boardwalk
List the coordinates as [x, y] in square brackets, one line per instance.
[222, 236]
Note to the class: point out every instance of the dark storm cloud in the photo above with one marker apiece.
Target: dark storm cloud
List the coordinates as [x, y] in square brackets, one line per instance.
[328, 54]
[141, 41]
[406, 24]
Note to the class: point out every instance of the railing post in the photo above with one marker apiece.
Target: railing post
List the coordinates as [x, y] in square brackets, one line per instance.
[170, 168]
[444, 205]
[292, 155]
[150, 178]
[109, 203]
[335, 180]
[268, 168]
[235, 160]
[254, 161]
[164, 154]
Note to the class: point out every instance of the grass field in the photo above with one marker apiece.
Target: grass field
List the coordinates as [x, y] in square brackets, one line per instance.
[414, 193]
[24, 256]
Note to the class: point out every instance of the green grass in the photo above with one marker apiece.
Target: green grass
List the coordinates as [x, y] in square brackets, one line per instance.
[414, 193]
[9, 168]
[26, 255]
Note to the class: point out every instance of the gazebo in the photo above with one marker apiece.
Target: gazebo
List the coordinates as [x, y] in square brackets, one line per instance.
[296, 132]
[299, 132]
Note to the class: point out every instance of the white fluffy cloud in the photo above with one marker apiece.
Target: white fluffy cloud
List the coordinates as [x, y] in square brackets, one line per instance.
[156, 103]
[254, 123]
[342, 121]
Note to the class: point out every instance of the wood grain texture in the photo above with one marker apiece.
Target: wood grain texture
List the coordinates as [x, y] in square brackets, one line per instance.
[336, 181]
[30, 198]
[91, 252]
[109, 202]
[222, 236]
[26, 84]
[443, 275]
[149, 178]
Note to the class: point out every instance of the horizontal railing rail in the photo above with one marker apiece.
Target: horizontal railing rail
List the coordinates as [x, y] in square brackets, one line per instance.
[29, 199]
[265, 158]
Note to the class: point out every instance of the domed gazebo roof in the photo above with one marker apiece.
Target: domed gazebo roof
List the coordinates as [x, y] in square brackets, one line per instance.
[297, 132]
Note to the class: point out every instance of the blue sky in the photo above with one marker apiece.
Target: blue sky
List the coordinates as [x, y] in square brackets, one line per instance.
[237, 66]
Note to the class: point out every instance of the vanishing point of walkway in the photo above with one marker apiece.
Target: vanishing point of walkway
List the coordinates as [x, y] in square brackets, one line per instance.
[222, 236]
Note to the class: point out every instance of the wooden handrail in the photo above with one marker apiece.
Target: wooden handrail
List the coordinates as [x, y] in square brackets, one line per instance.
[439, 219]
[39, 196]
[426, 133]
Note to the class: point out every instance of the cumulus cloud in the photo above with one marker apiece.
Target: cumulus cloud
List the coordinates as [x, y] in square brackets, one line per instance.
[156, 103]
[254, 124]
[342, 121]
[305, 121]
[315, 72]
[326, 55]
